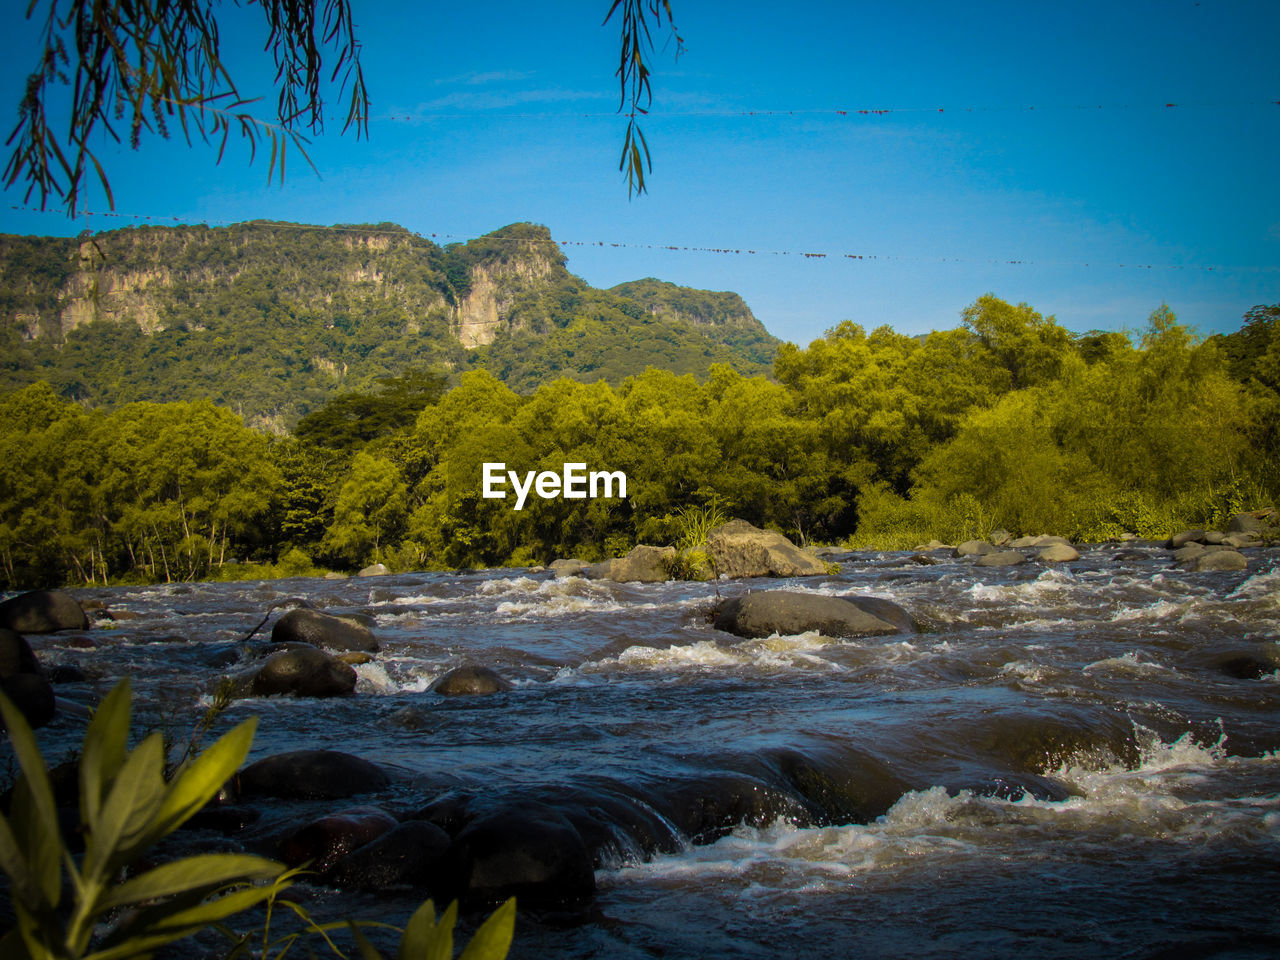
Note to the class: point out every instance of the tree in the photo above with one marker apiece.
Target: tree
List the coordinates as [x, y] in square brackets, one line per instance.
[153, 64]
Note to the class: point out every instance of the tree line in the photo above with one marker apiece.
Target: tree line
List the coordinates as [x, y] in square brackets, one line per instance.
[870, 439]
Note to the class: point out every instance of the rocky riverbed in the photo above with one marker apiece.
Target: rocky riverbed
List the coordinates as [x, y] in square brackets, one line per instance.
[1052, 756]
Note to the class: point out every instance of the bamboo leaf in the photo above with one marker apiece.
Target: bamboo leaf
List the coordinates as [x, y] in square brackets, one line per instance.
[493, 939]
[190, 873]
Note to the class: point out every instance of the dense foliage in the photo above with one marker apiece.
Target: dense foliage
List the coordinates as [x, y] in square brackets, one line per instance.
[877, 439]
[274, 319]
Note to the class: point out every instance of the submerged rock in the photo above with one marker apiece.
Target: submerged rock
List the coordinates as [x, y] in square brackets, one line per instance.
[43, 611]
[470, 680]
[738, 549]
[326, 840]
[410, 853]
[527, 850]
[323, 630]
[787, 612]
[310, 775]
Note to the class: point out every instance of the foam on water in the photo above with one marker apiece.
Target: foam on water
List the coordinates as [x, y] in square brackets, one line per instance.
[1174, 795]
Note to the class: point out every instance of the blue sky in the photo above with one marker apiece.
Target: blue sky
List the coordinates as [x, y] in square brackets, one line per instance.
[1030, 133]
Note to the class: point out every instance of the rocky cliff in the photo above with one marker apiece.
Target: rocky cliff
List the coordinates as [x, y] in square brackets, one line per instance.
[272, 318]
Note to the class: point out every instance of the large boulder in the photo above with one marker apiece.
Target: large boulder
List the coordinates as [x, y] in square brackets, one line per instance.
[411, 853]
[310, 775]
[324, 841]
[1183, 538]
[571, 567]
[303, 671]
[323, 630]
[16, 655]
[374, 570]
[1001, 558]
[973, 548]
[788, 613]
[1216, 560]
[43, 611]
[22, 680]
[1250, 523]
[470, 680]
[526, 850]
[1058, 553]
[32, 695]
[644, 564]
[738, 549]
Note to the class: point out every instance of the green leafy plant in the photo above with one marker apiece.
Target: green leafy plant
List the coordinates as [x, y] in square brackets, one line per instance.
[102, 905]
[126, 806]
[692, 524]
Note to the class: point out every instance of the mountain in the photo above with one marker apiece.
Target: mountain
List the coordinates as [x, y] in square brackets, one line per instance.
[274, 319]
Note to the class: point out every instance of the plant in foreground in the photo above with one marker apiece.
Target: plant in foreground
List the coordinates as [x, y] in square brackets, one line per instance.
[71, 907]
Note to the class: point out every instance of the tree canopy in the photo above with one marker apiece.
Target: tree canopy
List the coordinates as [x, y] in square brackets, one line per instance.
[872, 439]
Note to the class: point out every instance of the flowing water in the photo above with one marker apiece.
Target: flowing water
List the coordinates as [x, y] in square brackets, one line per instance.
[1065, 761]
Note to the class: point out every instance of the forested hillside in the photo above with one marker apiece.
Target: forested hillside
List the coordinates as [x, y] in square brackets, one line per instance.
[876, 439]
[273, 319]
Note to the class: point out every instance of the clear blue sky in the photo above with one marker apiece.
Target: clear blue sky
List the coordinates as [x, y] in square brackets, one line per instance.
[1053, 147]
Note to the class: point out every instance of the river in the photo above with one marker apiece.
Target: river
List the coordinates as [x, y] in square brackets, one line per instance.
[1068, 760]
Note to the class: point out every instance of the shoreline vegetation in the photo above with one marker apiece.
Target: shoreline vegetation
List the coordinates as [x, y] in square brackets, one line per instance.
[871, 441]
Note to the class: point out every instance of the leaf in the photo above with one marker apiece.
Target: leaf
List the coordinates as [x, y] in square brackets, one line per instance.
[493, 939]
[128, 810]
[424, 938]
[196, 784]
[41, 846]
[13, 863]
[367, 950]
[104, 749]
[157, 926]
[190, 873]
[36, 818]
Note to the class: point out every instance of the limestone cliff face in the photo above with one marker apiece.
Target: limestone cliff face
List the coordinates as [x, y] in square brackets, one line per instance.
[494, 290]
[97, 292]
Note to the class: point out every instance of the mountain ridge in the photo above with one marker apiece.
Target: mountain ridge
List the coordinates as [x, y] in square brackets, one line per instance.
[273, 319]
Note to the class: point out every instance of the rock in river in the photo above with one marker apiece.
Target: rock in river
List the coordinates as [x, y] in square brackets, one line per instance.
[323, 630]
[43, 611]
[303, 671]
[470, 680]
[528, 850]
[737, 549]
[310, 775]
[787, 612]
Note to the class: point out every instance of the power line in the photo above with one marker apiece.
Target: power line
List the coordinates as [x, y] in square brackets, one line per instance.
[829, 113]
[449, 238]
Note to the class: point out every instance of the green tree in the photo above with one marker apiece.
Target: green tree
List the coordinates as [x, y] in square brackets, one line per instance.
[371, 509]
